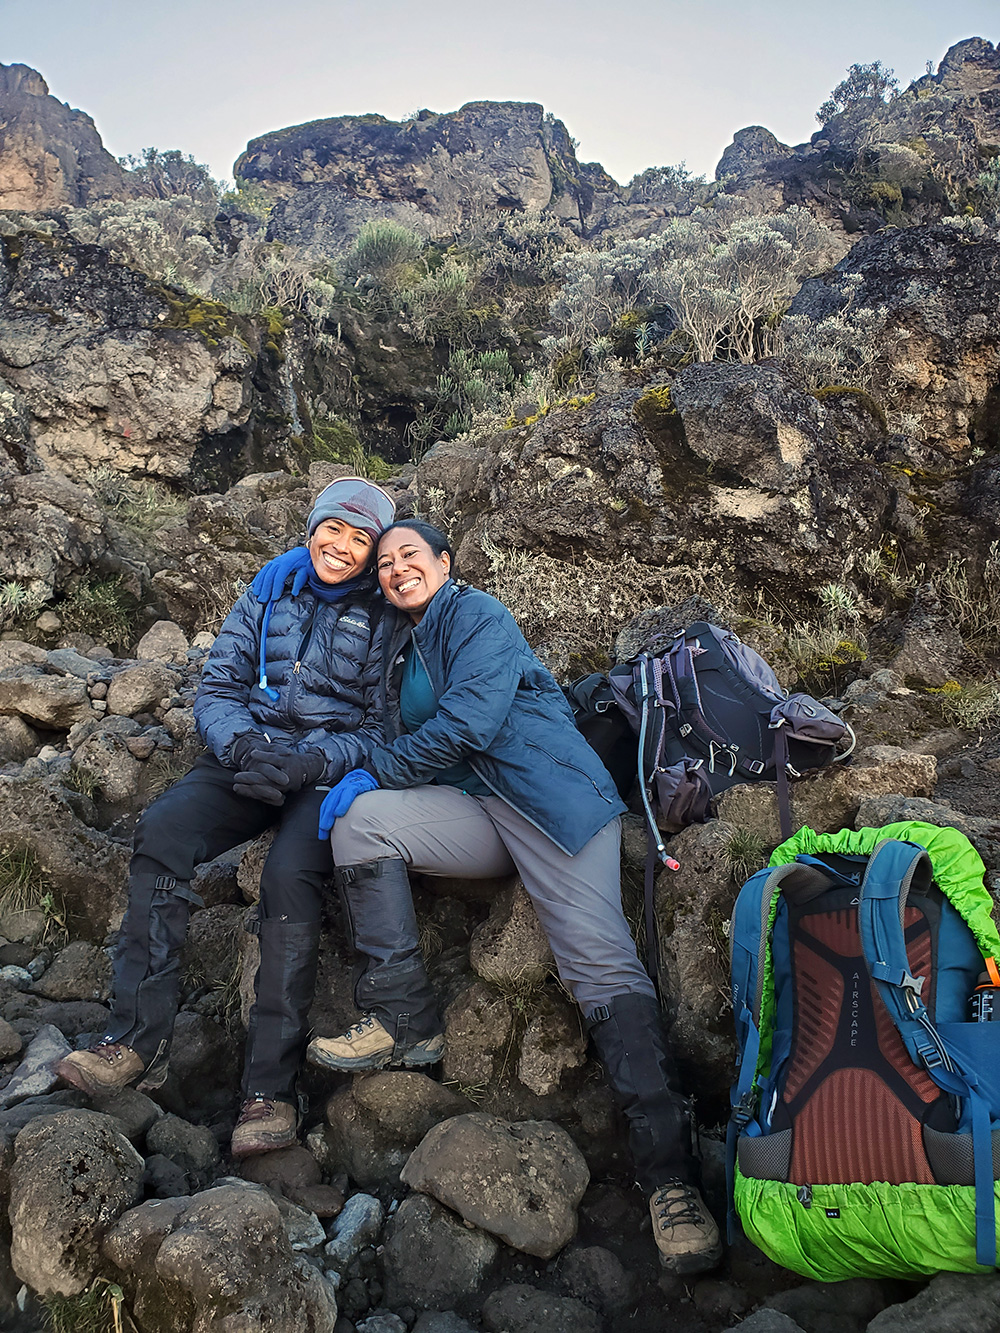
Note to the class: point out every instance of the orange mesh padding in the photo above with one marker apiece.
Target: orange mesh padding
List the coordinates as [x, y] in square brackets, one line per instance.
[853, 1128]
[821, 998]
[852, 1125]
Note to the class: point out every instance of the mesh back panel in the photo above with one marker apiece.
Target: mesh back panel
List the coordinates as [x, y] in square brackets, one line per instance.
[855, 1099]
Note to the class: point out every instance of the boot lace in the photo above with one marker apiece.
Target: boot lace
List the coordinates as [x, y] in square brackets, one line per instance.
[109, 1051]
[359, 1029]
[678, 1204]
[258, 1108]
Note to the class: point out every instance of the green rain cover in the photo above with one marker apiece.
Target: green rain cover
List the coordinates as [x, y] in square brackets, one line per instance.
[876, 1230]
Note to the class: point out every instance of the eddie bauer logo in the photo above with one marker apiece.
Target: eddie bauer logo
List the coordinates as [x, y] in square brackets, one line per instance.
[855, 1006]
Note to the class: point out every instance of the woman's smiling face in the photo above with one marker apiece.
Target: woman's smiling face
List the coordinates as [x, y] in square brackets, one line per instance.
[338, 551]
[409, 571]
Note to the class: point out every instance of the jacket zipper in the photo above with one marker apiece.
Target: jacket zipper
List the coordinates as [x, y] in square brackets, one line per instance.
[573, 767]
[300, 654]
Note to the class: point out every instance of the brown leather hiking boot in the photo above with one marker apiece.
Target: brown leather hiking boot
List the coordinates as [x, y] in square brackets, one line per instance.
[264, 1125]
[105, 1068]
[368, 1045]
[684, 1230]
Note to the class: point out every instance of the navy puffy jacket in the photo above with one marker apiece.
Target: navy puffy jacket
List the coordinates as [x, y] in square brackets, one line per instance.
[499, 709]
[326, 702]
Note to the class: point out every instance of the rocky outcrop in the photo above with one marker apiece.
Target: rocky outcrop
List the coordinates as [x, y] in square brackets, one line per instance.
[732, 470]
[222, 1257]
[752, 148]
[937, 286]
[437, 171]
[908, 154]
[114, 369]
[50, 155]
[521, 1182]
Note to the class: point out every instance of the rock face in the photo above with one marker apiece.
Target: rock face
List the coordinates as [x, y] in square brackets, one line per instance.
[53, 532]
[435, 171]
[83, 867]
[50, 156]
[938, 291]
[730, 469]
[113, 369]
[751, 149]
[73, 1176]
[374, 1125]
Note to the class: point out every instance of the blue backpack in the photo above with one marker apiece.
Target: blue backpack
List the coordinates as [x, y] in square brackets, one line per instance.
[865, 1133]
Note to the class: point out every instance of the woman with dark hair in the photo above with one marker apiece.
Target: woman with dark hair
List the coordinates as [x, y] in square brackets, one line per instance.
[287, 700]
[483, 773]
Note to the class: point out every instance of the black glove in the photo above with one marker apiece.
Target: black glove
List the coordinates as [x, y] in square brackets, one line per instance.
[239, 751]
[256, 787]
[284, 771]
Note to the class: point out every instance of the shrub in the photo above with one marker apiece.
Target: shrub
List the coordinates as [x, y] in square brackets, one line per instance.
[386, 251]
[571, 612]
[866, 88]
[971, 706]
[724, 278]
[973, 604]
[17, 603]
[143, 506]
[104, 608]
[248, 197]
[334, 441]
[843, 349]
[169, 239]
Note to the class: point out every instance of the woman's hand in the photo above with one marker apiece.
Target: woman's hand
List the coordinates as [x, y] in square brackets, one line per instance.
[273, 772]
[342, 797]
[269, 582]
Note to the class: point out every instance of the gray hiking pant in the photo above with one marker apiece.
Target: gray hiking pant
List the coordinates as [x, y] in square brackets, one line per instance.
[444, 831]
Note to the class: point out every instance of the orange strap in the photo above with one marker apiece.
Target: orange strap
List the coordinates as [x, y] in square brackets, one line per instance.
[993, 970]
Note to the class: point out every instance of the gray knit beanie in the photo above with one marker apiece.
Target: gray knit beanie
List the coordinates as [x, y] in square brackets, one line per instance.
[354, 501]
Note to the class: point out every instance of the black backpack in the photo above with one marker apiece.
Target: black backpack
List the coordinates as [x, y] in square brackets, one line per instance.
[708, 713]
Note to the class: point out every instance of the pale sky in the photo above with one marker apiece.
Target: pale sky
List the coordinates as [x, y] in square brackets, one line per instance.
[638, 82]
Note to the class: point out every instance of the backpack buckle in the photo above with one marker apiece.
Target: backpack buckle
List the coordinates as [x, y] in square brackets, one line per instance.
[756, 766]
[743, 1111]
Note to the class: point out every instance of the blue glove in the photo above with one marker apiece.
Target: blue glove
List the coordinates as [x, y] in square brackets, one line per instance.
[339, 799]
[269, 582]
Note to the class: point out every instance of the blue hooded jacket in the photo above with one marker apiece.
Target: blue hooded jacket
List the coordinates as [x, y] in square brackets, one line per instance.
[500, 710]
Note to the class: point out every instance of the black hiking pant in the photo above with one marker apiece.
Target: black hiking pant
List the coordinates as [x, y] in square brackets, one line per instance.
[198, 818]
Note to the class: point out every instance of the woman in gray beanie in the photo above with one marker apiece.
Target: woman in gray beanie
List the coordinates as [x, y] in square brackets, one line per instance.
[287, 700]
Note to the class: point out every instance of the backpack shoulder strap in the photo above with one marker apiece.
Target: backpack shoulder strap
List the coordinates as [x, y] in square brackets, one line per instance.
[893, 870]
[749, 935]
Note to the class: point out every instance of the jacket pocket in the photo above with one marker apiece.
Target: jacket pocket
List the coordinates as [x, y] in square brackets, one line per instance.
[563, 763]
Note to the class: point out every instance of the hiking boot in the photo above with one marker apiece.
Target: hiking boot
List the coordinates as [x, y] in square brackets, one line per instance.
[264, 1126]
[105, 1068]
[684, 1230]
[368, 1045]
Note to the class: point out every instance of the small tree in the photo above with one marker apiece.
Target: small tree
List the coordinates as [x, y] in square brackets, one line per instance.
[866, 88]
[162, 174]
